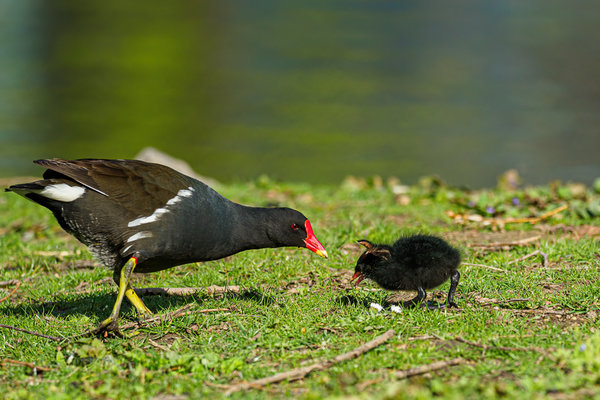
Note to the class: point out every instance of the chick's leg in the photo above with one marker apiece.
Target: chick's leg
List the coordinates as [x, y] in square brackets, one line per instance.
[417, 300]
[453, 284]
[450, 300]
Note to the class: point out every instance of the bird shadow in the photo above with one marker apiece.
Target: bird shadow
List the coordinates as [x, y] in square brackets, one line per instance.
[352, 300]
[99, 305]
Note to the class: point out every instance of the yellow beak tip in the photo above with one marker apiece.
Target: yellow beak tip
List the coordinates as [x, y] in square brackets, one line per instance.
[322, 253]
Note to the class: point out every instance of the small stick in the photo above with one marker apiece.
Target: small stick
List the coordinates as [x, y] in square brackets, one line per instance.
[535, 220]
[500, 348]
[485, 266]
[157, 345]
[58, 254]
[161, 318]
[175, 314]
[544, 255]
[299, 373]
[188, 291]
[422, 337]
[464, 218]
[30, 365]
[56, 339]
[78, 264]
[520, 242]
[407, 373]
[539, 311]
[9, 283]
[492, 303]
[11, 293]
[364, 384]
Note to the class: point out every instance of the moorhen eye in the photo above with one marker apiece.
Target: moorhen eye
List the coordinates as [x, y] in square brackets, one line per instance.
[101, 204]
[295, 227]
[412, 263]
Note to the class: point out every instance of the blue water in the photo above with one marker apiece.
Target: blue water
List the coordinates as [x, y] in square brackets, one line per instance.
[306, 90]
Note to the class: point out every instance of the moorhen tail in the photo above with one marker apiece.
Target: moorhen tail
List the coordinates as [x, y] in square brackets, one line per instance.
[412, 263]
[146, 217]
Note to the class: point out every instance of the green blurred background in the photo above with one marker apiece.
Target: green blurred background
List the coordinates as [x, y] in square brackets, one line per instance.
[307, 90]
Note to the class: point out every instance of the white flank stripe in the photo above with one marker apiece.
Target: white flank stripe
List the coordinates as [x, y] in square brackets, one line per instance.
[160, 211]
[62, 192]
[124, 251]
[174, 200]
[185, 192]
[139, 235]
[146, 220]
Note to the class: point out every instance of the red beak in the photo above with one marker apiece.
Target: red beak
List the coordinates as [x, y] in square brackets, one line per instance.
[358, 276]
[312, 243]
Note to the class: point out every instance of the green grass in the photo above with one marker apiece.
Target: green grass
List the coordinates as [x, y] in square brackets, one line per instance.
[297, 308]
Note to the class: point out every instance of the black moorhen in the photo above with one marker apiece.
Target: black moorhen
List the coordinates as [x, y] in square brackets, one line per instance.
[148, 217]
[412, 263]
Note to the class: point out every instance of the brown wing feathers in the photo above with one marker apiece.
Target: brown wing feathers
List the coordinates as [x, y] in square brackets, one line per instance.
[57, 168]
[133, 185]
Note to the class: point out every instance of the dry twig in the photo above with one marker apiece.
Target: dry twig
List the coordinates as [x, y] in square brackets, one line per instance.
[507, 245]
[540, 311]
[299, 373]
[157, 345]
[485, 347]
[9, 283]
[57, 254]
[11, 293]
[211, 290]
[485, 266]
[535, 220]
[500, 222]
[30, 365]
[56, 339]
[496, 302]
[175, 314]
[422, 337]
[407, 373]
[364, 384]
[544, 255]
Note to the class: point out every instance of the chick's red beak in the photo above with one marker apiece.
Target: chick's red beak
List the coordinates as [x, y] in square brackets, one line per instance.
[358, 276]
[312, 243]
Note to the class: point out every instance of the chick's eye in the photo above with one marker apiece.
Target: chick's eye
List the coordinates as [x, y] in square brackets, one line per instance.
[295, 227]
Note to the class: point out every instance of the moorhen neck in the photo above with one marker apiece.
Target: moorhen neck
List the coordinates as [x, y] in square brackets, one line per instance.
[146, 217]
[416, 262]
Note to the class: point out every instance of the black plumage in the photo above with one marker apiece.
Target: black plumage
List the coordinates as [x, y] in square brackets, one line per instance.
[148, 217]
[416, 262]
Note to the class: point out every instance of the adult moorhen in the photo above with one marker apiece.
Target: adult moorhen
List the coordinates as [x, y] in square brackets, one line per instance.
[416, 262]
[148, 217]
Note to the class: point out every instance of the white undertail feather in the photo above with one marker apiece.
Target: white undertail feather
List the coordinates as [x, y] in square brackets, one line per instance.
[62, 192]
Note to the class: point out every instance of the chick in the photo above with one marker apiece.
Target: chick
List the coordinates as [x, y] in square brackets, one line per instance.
[416, 262]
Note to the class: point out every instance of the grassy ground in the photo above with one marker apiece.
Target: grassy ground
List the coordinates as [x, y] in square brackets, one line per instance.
[525, 329]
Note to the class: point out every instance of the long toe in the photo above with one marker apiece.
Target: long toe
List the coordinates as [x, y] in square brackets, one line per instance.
[412, 304]
[109, 325]
[137, 302]
[438, 306]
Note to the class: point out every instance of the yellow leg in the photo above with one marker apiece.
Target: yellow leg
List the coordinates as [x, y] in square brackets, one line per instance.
[111, 323]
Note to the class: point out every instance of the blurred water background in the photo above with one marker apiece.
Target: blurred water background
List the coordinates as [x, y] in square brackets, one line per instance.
[307, 90]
